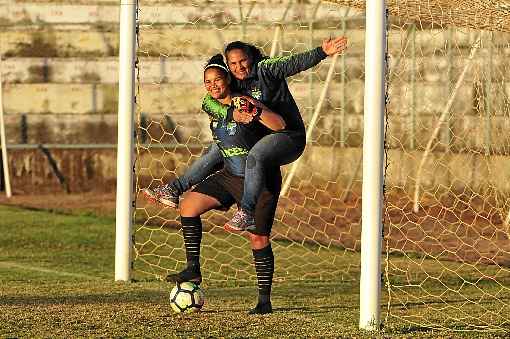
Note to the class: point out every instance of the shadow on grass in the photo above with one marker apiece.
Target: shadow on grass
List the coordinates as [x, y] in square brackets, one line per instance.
[315, 308]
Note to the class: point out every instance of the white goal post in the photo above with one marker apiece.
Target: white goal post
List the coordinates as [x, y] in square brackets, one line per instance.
[3, 141]
[125, 142]
[373, 164]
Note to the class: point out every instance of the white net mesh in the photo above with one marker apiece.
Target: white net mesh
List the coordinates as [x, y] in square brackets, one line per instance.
[316, 231]
[447, 211]
[447, 187]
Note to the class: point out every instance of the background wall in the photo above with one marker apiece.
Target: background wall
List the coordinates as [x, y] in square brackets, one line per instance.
[59, 70]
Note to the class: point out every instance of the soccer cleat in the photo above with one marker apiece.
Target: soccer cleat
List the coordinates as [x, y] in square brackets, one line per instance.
[262, 309]
[184, 276]
[164, 194]
[241, 221]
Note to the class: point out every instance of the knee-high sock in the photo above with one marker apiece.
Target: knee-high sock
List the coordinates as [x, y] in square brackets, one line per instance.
[192, 233]
[264, 266]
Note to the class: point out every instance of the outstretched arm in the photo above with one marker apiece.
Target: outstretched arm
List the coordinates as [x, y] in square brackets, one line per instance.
[283, 67]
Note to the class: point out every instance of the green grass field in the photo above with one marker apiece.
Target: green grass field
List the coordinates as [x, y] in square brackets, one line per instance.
[56, 273]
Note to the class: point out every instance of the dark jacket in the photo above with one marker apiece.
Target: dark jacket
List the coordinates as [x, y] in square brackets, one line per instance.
[267, 83]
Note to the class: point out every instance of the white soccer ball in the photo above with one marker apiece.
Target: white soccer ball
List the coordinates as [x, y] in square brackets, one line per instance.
[186, 298]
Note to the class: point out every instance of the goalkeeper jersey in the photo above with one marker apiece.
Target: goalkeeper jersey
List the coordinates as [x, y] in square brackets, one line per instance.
[234, 139]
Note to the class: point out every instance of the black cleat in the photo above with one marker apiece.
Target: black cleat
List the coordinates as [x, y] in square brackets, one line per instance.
[186, 275]
[262, 309]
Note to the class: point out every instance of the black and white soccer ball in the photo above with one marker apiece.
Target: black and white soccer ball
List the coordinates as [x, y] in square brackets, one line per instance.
[186, 298]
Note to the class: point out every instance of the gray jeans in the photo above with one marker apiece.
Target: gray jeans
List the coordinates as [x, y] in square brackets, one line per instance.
[273, 150]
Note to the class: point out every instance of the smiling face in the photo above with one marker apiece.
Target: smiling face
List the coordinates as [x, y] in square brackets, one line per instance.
[216, 83]
[239, 63]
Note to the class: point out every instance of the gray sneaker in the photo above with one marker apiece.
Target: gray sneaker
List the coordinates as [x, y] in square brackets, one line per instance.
[164, 194]
[241, 221]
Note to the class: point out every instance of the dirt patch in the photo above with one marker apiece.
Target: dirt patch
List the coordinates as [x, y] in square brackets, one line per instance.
[97, 203]
[457, 228]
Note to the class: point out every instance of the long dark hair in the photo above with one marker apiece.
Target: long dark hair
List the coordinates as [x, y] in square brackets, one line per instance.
[250, 50]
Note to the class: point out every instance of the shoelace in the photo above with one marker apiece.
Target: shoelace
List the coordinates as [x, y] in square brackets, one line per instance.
[163, 190]
[238, 217]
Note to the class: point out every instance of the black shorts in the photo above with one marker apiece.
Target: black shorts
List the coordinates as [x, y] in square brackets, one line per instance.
[228, 189]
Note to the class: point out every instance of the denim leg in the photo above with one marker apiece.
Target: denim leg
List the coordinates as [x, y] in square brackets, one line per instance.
[271, 151]
[199, 170]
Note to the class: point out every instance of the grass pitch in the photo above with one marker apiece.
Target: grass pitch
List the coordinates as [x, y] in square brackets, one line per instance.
[57, 272]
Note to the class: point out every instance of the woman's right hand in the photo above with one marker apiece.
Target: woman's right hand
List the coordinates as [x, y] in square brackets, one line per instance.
[242, 117]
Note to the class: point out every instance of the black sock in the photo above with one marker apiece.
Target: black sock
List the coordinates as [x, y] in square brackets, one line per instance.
[192, 233]
[264, 266]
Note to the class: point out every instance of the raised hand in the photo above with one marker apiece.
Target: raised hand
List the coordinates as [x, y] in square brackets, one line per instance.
[332, 46]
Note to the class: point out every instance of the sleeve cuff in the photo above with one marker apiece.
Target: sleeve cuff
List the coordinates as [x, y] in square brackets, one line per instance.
[321, 52]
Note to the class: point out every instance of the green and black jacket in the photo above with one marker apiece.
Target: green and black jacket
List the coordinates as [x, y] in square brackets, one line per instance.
[267, 84]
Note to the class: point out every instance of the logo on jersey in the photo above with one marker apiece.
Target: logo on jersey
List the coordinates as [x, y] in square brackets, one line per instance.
[256, 93]
[231, 128]
[233, 152]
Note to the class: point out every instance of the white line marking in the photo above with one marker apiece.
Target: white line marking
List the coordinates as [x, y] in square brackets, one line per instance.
[45, 270]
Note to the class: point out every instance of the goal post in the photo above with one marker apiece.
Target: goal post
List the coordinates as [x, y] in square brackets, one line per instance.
[373, 158]
[3, 141]
[125, 142]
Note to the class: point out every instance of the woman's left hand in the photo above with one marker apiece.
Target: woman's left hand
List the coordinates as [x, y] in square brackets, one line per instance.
[255, 103]
[334, 46]
[242, 117]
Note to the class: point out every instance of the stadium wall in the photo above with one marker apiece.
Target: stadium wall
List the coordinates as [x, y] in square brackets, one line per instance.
[60, 74]
[94, 169]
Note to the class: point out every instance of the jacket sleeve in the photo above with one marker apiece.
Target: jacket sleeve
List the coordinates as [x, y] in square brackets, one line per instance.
[283, 67]
[215, 109]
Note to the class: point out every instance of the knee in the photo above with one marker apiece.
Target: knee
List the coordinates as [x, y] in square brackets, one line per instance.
[256, 158]
[258, 241]
[188, 209]
[258, 153]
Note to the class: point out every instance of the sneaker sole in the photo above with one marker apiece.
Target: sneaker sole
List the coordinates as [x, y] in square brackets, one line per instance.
[227, 227]
[155, 200]
[168, 203]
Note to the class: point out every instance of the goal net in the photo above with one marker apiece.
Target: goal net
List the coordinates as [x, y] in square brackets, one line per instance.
[317, 227]
[447, 180]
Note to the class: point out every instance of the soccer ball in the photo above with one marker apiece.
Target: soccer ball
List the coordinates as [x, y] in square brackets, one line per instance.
[186, 298]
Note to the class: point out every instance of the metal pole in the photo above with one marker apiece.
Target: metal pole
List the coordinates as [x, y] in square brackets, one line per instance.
[5, 158]
[125, 132]
[448, 131]
[442, 120]
[310, 43]
[412, 143]
[278, 31]
[244, 19]
[373, 164]
[488, 97]
[241, 18]
[311, 125]
[343, 81]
